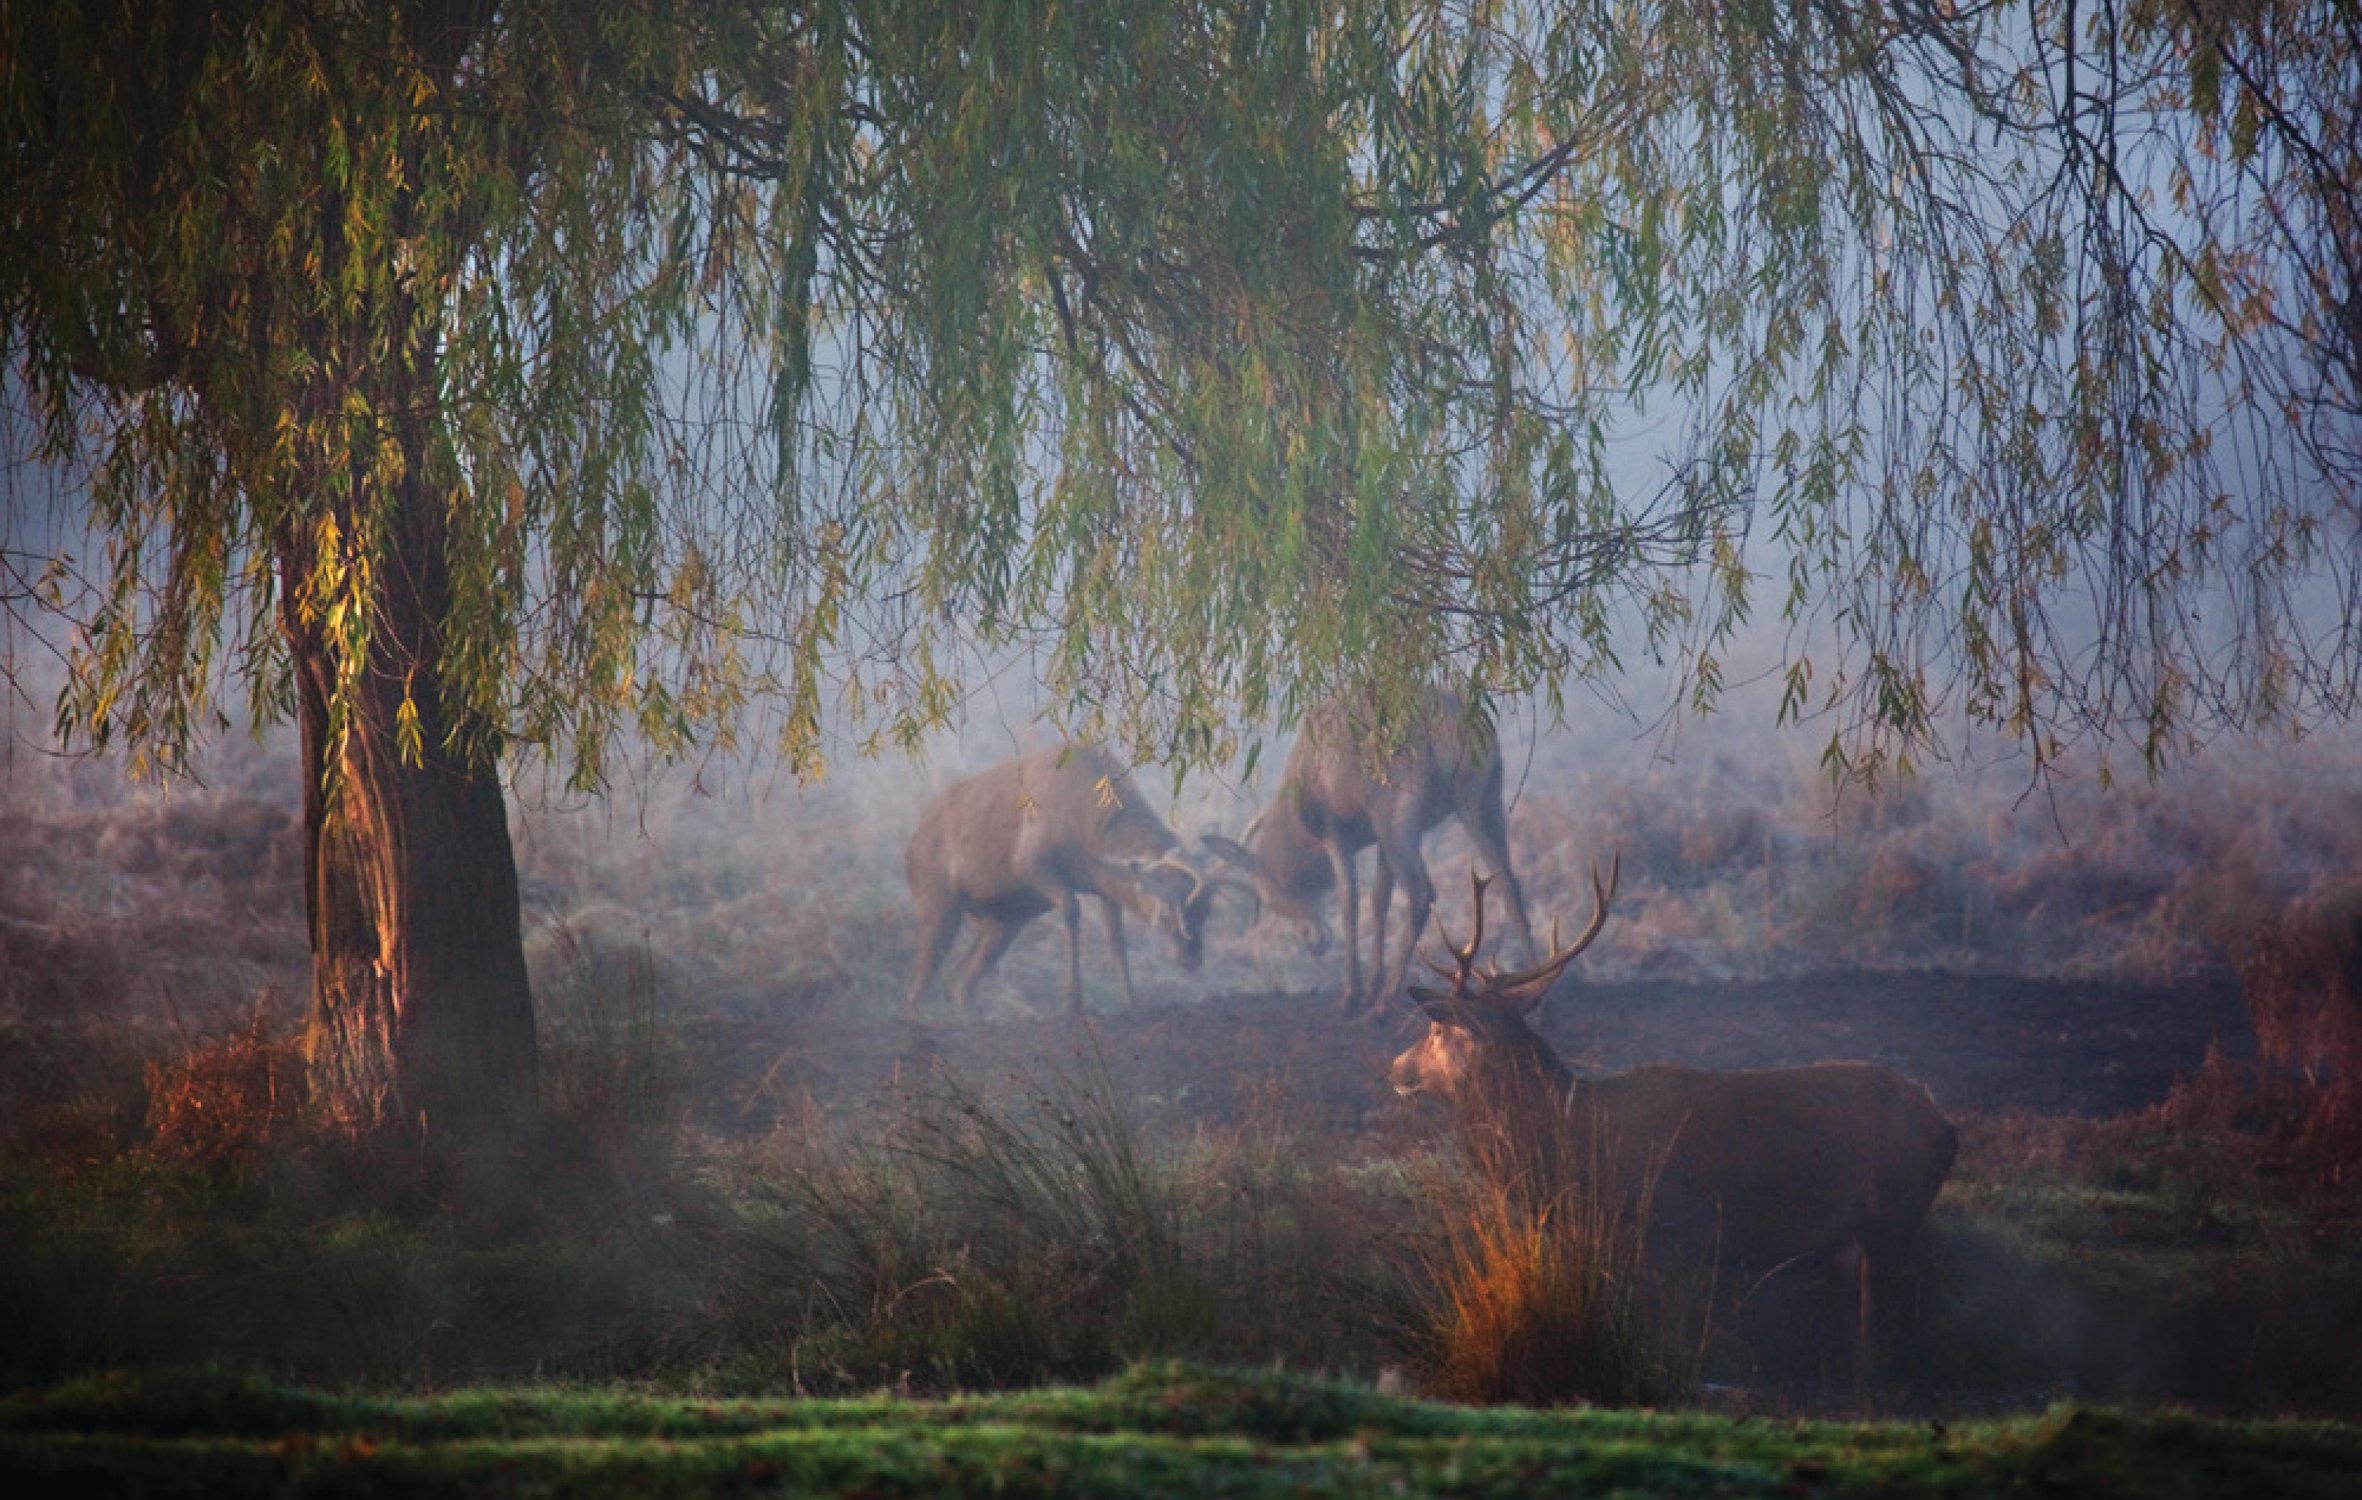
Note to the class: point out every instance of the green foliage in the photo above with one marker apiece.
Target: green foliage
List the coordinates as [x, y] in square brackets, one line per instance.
[1158, 1430]
[1217, 354]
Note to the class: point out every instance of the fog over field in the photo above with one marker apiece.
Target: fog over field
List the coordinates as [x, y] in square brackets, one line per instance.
[2057, 960]
[1742, 859]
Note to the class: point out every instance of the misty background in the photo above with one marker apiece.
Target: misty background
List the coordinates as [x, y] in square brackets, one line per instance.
[736, 885]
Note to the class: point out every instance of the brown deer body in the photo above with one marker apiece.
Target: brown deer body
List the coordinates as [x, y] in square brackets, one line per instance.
[1832, 1165]
[1337, 797]
[1033, 835]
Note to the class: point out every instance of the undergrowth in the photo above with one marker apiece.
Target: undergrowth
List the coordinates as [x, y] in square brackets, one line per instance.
[967, 1243]
[182, 1210]
[956, 1242]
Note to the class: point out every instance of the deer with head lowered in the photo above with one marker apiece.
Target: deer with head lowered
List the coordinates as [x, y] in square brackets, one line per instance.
[1337, 797]
[1034, 835]
[1831, 1166]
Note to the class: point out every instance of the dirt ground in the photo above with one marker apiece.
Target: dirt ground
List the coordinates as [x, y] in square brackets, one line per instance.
[1978, 1042]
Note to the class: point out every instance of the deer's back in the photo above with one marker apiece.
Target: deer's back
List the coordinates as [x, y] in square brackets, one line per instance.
[1051, 813]
[1341, 791]
[1774, 1164]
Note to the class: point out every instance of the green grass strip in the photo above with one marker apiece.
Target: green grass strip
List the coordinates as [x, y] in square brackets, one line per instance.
[1158, 1430]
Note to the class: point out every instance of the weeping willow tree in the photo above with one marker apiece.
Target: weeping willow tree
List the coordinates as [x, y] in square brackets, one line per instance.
[490, 385]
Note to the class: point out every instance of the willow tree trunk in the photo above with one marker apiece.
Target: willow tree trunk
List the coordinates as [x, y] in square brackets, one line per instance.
[421, 1015]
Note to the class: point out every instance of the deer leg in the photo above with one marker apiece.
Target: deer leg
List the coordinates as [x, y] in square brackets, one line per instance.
[1381, 909]
[1488, 830]
[1864, 1346]
[937, 928]
[1070, 911]
[1349, 895]
[993, 936]
[1115, 940]
[1400, 848]
[1852, 1298]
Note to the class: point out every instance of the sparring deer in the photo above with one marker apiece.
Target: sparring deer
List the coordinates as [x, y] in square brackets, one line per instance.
[1338, 796]
[1832, 1165]
[1034, 835]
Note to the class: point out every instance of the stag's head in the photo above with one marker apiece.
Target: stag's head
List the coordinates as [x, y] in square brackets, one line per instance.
[1480, 1038]
[1184, 904]
[1289, 870]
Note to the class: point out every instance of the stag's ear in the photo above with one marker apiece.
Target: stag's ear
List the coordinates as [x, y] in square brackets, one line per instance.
[1229, 849]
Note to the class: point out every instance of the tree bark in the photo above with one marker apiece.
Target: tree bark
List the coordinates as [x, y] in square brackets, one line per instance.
[421, 1017]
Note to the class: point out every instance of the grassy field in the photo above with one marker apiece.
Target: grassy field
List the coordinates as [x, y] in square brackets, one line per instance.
[966, 1242]
[758, 1198]
[1156, 1430]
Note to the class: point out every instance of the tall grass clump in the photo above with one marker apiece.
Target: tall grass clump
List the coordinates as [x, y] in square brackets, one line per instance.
[612, 1068]
[1542, 1295]
[2301, 971]
[976, 1242]
[980, 1244]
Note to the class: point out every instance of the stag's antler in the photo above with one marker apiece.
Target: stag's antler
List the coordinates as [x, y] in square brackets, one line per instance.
[1183, 868]
[1525, 983]
[1464, 959]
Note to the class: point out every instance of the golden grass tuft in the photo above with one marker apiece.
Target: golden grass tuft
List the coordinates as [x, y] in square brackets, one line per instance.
[1542, 1304]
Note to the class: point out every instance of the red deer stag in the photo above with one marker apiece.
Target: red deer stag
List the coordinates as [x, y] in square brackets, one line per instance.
[1335, 799]
[1033, 835]
[1759, 1171]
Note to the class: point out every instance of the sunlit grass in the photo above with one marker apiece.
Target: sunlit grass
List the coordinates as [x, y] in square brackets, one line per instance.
[1543, 1304]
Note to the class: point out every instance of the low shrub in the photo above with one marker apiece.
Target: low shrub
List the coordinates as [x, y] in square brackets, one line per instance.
[228, 1097]
[2301, 971]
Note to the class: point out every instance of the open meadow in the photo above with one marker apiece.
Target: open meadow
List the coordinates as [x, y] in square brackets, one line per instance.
[759, 1180]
